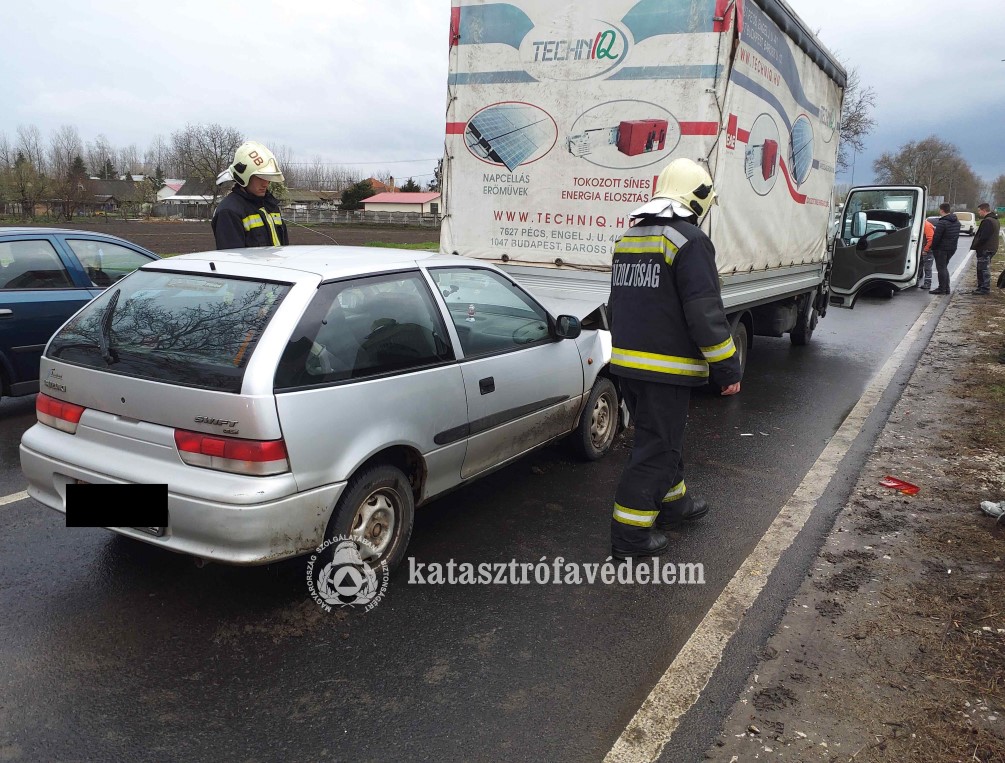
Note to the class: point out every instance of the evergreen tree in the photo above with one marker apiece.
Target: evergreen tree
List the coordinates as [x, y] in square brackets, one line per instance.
[352, 197]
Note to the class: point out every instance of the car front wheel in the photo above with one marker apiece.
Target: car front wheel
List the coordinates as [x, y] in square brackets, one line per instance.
[594, 437]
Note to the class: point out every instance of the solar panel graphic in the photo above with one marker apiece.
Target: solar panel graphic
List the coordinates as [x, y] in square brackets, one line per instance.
[802, 149]
[509, 134]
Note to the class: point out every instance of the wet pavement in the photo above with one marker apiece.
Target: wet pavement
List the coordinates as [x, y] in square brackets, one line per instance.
[114, 649]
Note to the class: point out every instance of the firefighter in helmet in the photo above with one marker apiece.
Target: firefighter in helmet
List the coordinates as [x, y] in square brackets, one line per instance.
[670, 333]
[249, 215]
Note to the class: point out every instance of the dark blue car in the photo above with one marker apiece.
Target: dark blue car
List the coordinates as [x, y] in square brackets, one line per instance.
[46, 275]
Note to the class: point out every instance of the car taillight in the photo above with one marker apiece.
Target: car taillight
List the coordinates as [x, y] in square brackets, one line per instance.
[258, 458]
[58, 413]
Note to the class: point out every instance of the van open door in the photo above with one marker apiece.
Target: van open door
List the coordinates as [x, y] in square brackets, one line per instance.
[878, 241]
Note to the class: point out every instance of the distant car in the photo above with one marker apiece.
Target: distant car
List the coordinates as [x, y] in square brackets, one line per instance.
[46, 275]
[288, 396]
[968, 223]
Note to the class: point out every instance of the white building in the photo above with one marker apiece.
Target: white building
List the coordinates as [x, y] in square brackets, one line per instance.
[427, 203]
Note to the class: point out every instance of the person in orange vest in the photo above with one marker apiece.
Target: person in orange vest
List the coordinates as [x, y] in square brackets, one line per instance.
[927, 258]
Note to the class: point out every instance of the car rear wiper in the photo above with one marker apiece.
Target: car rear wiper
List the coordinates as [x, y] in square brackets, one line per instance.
[105, 333]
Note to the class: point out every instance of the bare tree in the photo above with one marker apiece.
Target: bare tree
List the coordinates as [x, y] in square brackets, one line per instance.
[6, 152]
[288, 164]
[204, 151]
[158, 154]
[933, 163]
[129, 161]
[856, 118]
[998, 191]
[29, 143]
[99, 153]
[66, 171]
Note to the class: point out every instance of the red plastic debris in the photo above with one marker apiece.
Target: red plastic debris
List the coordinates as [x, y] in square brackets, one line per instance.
[904, 487]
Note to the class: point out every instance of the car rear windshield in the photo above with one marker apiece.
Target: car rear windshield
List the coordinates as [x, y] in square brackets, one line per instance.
[182, 328]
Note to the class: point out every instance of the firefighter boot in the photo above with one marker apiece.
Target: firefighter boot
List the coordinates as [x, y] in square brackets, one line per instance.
[630, 542]
[687, 509]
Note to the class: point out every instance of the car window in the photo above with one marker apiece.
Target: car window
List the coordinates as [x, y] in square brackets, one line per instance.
[191, 329]
[106, 263]
[491, 314]
[31, 264]
[365, 327]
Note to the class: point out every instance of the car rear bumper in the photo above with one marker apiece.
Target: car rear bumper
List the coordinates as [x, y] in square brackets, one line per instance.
[245, 533]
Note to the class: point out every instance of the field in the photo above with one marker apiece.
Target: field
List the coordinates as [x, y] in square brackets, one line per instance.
[167, 238]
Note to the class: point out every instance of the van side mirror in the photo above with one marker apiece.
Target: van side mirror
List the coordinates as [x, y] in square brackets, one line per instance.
[859, 223]
[568, 327]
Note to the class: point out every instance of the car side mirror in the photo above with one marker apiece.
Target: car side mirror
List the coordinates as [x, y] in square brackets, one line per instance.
[568, 327]
[859, 223]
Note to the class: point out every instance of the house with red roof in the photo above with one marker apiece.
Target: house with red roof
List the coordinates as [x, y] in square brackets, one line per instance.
[427, 203]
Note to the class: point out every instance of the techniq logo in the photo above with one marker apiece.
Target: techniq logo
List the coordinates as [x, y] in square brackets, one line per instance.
[346, 580]
[549, 54]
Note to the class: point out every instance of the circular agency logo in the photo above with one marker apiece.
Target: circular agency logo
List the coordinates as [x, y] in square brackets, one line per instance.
[346, 581]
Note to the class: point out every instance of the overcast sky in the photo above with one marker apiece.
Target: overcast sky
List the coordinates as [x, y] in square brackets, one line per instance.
[364, 82]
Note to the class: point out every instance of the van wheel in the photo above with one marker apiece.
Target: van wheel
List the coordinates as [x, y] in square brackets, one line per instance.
[807, 322]
[594, 437]
[376, 510]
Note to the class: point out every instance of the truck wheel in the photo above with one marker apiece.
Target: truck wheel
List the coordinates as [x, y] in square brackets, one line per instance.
[377, 506]
[742, 342]
[808, 317]
[594, 436]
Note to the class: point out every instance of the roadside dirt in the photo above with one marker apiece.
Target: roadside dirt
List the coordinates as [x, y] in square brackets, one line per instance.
[894, 647]
[168, 237]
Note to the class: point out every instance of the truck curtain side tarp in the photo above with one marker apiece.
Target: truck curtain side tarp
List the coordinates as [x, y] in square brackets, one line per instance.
[561, 115]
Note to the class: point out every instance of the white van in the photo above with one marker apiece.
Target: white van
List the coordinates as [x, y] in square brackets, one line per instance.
[968, 223]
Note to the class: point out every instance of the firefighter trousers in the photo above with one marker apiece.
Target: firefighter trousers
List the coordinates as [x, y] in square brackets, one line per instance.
[653, 481]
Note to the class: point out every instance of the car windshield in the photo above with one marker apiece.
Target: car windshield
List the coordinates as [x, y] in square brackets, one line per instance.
[182, 328]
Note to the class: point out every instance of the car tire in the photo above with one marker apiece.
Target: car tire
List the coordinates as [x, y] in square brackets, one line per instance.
[598, 426]
[377, 505]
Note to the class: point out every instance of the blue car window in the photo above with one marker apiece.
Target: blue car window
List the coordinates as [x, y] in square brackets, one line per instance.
[31, 264]
[106, 263]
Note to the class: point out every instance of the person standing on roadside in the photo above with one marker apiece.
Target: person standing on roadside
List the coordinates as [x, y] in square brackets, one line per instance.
[249, 215]
[944, 241]
[986, 246]
[670, 333]
[925, 279]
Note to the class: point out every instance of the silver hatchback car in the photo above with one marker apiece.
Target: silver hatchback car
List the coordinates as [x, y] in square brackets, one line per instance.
[289, 395]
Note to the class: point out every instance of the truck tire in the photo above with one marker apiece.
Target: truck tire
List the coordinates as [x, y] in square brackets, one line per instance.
[594, 435]
[806, 323]
[377, 505]
[742, 342]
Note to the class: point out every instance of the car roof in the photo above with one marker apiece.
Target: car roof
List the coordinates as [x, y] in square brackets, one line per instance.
[39, 231]
[324, 260]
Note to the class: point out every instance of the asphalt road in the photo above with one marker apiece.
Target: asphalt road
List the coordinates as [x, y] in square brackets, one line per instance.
[113, 649]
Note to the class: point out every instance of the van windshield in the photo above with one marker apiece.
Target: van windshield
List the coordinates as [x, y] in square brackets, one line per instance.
[190, 329]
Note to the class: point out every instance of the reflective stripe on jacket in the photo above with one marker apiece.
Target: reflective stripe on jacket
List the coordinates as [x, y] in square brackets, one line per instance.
[244, 220]
[667, 319]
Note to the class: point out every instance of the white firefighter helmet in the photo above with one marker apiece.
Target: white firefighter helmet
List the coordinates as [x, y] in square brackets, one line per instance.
[253, 158]
[685, 182]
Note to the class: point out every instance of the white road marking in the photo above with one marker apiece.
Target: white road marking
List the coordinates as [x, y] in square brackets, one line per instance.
[688, 675]
[14, 498]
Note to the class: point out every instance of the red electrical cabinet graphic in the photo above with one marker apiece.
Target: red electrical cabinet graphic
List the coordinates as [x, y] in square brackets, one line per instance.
[642, 136]
[769, 159]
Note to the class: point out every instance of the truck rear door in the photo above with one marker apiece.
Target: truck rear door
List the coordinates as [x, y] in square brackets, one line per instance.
[878, 241]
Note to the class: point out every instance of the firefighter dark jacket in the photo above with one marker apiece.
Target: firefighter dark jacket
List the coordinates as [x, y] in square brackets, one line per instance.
[667, 318]
[244, 220]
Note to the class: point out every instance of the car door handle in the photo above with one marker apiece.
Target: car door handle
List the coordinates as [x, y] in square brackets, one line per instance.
[5, 311]
[487, 385]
